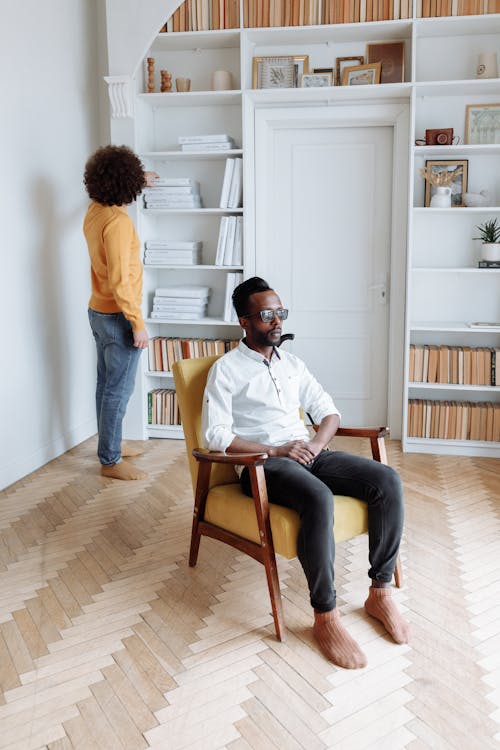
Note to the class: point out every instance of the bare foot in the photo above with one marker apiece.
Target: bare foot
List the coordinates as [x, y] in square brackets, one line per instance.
[123, 470]
[382, 606]
[130, 449]
[335, 642]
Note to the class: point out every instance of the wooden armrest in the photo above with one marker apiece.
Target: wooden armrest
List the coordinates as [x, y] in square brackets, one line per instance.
[367, 432]
[235, 459]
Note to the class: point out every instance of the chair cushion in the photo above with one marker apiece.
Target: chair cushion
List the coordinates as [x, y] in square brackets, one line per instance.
[233, 511]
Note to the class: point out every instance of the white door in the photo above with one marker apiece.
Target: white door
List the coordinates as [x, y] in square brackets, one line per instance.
[323, 237]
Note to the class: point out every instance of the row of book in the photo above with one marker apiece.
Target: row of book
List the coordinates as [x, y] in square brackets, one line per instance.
[203, 15]
[173, 192]
[454, 420]
[230, 242]
[215, 142]
[163, 351]
[461, 365]
[232, 184]
[180, 302]
[172, 252]
[163, 407]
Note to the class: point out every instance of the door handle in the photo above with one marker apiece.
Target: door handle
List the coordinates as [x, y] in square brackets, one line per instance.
[382, 292]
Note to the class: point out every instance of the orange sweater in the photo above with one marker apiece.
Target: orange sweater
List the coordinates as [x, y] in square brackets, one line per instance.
[116, 268]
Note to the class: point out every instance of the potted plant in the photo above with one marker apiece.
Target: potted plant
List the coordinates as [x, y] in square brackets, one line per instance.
[489, 233]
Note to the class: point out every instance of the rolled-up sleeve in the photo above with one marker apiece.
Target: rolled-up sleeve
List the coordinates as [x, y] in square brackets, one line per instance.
[217, 420]
[314, 399]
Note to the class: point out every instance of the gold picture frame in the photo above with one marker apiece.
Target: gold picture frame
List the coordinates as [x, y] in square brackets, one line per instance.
[392, 57]
[362, 75]
[346, 62]
[278, 71]
[458, 186]
[482, 123]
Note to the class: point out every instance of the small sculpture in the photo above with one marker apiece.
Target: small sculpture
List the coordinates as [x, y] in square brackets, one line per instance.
[166, 81]
[151, 75]
[483, 198]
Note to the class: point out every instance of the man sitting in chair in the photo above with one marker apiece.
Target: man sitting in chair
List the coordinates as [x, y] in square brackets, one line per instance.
[251, 404]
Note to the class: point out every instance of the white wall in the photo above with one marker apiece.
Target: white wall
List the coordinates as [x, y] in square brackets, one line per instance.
[52, 62]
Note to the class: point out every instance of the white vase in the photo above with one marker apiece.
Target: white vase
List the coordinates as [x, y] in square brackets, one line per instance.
[490, 251]
[222, 80]
[441, 198]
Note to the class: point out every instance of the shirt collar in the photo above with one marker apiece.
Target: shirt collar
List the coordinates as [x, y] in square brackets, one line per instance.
[256, 356]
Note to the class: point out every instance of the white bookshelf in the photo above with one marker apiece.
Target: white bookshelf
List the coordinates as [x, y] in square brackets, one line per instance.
[445, 289]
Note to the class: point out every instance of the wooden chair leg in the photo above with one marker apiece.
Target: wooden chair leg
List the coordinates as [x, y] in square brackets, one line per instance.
[398, 573]
[199, 510]
[259, 493]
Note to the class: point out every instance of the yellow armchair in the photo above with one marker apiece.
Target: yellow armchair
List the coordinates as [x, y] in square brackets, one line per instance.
[252, 525]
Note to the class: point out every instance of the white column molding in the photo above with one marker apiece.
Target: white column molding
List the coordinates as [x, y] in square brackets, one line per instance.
[120, 96]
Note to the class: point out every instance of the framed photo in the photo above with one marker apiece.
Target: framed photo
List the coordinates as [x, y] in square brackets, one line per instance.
[392, 57]
[300, 68]
[314, 80]
[458, 185]
[344, 62]
[361, 75]
[482, 123]
[327, 70]
[273, 72]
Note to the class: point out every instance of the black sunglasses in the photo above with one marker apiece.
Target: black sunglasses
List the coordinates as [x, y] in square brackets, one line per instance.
[267, 316]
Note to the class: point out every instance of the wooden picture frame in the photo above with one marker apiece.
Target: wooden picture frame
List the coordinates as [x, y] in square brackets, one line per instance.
[361, 75]
[327, 70]
[482, 123]
[316, 80]
[391, 55]
[345, 62]
[301, 67]
[273, 72]
[458, 186]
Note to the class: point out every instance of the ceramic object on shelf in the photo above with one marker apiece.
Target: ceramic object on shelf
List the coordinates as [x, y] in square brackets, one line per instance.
[487, 66]
[222, 80]
[473, 200]
[490, 251]
[442, 197]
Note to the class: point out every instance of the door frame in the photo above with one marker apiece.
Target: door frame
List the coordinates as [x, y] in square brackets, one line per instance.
[262, 121]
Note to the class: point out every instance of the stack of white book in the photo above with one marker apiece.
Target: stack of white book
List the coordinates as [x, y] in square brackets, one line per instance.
[232, 281]
[232, 185]
[173, 192]
[172, 252]
[230, 242]
[221, 142]
[180, 302]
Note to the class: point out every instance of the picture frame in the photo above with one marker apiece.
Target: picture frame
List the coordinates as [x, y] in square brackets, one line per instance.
[344, 62]
[316, 80]
[392, 57]
[301, 67]
[327, 70]
[362, 75]
[273, 72]
[482, 123]
[458, 186]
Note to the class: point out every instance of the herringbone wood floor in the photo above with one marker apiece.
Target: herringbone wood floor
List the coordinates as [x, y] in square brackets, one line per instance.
[109, 640]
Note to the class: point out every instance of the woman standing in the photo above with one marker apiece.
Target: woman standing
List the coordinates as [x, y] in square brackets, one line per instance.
[114, 177]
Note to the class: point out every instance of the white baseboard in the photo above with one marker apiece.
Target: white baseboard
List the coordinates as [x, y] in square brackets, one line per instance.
[26, 464]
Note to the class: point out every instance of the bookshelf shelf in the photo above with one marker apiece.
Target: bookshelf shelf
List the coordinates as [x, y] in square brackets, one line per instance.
[172, 431]
[447, 327]
[194, 268]
[192, 99]
[451, 447]
[199, 322]
[431, 269]
[158, 374]
[200, 211]
[186, 155]
[454, 387]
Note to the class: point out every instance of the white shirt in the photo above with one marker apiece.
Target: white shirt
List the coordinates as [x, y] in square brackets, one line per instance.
[250, 397]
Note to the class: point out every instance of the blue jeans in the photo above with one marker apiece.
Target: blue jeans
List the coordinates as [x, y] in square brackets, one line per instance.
[117, 360]
[310, 490]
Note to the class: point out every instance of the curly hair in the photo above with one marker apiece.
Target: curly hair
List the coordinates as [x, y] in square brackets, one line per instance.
[114, 176]
[244, 291]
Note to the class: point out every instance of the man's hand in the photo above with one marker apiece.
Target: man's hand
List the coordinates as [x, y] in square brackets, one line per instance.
[298, 450]
[141, 339]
